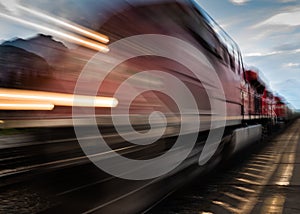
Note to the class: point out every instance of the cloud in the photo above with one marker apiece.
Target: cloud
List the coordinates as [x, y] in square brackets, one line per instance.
[10, 6]
[290, 90]
[239, 2]
[292, 65]
[286, 1]
[259, 54]
[290, 18]
[287, 47]
[268, 31]
[271, 53]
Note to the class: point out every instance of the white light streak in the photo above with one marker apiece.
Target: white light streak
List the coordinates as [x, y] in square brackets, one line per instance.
[63, 35]
[84, 31]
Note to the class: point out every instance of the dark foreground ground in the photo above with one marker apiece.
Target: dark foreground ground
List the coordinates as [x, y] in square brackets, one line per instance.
[266, 180]
[60, 179]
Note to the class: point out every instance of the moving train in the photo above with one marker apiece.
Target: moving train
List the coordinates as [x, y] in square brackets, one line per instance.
[248, 108]
[55, 67]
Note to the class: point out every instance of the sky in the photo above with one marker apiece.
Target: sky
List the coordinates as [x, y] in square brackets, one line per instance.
[268, 34]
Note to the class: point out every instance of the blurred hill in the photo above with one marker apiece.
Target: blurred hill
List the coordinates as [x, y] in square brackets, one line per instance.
[44, 46]
[20, 68]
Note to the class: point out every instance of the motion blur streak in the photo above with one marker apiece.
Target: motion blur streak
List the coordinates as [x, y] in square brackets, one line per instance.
[15, 105]
[84, 31]
[63, 35]
[58, 99]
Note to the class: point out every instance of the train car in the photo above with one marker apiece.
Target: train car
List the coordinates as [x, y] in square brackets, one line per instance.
[254, 93]
[260, 101]
[280, 109]
[283, 110]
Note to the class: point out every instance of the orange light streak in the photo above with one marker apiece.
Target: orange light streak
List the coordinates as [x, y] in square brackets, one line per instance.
[23, 105]
[57, 99]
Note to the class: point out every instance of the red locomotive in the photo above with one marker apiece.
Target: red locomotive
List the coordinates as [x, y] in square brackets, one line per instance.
[247, 98]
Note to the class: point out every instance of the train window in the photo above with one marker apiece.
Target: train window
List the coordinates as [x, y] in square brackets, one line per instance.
[232, 62]
[221, 53]
[209, 38]
[225, 56]
[239, 67]
[203, 32]
[241, 64]
[236, 57]
[222, 37]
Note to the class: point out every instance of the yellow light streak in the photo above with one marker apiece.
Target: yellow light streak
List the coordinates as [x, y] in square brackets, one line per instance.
[15, 105]
[58, 99]
[63, 35]
[82, 30]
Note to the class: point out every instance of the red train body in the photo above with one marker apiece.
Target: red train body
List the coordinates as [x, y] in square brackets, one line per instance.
[247, 98]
